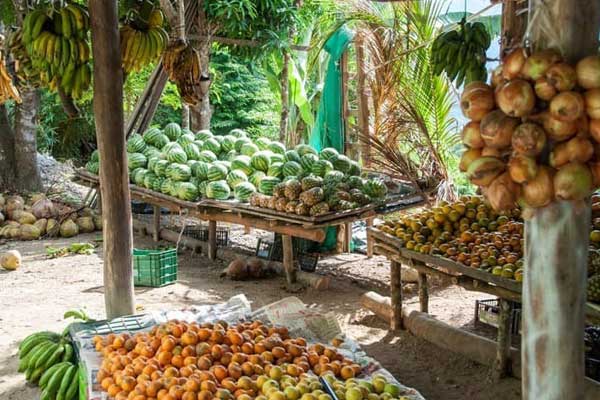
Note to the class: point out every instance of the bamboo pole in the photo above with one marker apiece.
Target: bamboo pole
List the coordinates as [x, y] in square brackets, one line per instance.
[363, 100]
[108, 112]
[285, 97]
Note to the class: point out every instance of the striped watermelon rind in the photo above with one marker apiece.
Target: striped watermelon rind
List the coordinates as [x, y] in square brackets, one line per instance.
[243, 191]
[167, 186]
[95, 157]
[321, 167]
[151, 151]
[243, 164]
[152, 163]
[138, 177]
[262, 143]
[304, 149]
[228, 143]
[177, 155]
[178, 172]
[207, 156]
[329, 154]
[186, 138]
[292, 168]
[160, 168]
[191, 151]
[136, 160]
[149, 179]
[267, 184]
[276, 170]
[307, 161]
[238, 133]
[260, 161]
[150, 135]
[203, 134]
[277, 147]
[292, 155]
[256, 177]
[342, 163]
[239, 142]
[276, 157]
[216, 172]
[200, 170]
[355, 169]
[187, 191]
[202, 188]
[218, 190]
[235, 177]
[161, 141]
[248, 149]
[136, 144]
[172, 130]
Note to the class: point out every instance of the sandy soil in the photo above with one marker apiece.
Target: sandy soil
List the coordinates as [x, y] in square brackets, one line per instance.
[36, 296]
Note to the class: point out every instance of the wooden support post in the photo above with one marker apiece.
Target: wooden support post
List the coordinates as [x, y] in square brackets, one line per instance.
[288, 259]
[212, 240]
[396, 295]
[156, 223]
[99, 200]
[370, 240]
[341, 235]
[347, 236]
[423, 292]
[556, 238]
[108, 113]
[502, 362]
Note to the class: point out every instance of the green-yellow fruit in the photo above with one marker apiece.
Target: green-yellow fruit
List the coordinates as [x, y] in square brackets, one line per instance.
[276, 395]
[292, 393]
[367, 385]
[379, 384]
[324, 396]
[373, 396]
[303, 388]
[354, 393]
[392, 389]
[308, 396]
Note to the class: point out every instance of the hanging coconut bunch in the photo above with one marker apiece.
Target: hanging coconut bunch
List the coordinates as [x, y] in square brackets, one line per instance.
[182, 63]
[8, 91]
[534, 131]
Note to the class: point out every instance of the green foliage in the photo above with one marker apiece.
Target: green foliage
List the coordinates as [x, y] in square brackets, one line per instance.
[7, 12]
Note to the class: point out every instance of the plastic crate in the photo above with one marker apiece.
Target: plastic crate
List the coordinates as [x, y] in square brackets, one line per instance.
[272, 250]
[592, 368]
[488, 311]
[154, 268]
[200, 232]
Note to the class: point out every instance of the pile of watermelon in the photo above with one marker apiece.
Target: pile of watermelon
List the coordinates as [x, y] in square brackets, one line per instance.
[191, 166]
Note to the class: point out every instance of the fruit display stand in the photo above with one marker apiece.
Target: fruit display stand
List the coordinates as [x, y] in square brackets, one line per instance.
[507, 290]
[288, 225]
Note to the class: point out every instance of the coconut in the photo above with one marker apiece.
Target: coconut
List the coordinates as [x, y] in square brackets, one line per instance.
[491, 152]
[2, 201]
[502, 193]
[497, 129]
[595, 129]
[522, 168]
[573, 181]
[97, 222]
[592, 103]
[539, 191]
[85, 224]
[68, 229]
[13, 203]
[529, 139]
[52, 227]
[559, 130]
[477, 100]
[41, 224]
[1, 218]
[13, 232]
[562, 77]
[10, 260]
[567, 106]
[25, 217]
[467, 158]
[255, 268]
[471, 135]
[497, 78]
[43, 208]
[516, 98]
[538, 63]
[29, 232]
[237, 269]
[35, 197]
[544, 89]
[484, 170]
[513, 63]
[588, 72]
[595, 169]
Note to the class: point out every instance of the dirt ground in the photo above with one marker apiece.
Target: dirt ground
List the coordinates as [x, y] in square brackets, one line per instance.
[36, 296]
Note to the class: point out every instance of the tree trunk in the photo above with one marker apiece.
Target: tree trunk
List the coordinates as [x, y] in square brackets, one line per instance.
[201, 114]
[114, 182]
[7, 152]
[556, 239]
[185, 116]
[27, 171]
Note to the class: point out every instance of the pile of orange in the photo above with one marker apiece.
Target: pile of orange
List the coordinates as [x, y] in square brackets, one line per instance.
[191, 361]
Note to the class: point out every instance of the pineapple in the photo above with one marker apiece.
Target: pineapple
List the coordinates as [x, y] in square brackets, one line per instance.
[312, 196]
[302, 209]
[310, 182]
[272, 202]
[279, 190]
[292, 189]
[291, 206]
[319, 209]
[593, 289]
[593, 262]
[255, 199]
[360, 198]
[280, 204]
[264, 201]
[343, 205]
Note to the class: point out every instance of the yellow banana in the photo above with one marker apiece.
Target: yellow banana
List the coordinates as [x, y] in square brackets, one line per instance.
[65, 16]
[78, 16]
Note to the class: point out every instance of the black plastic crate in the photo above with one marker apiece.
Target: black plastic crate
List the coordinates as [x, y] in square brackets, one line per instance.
[200, 232]
[139, 207]
[272, 250]
[592, 368]
[488, 311]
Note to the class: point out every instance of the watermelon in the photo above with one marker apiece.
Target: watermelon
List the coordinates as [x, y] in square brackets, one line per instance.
[192, 165]
[238, 133]
[150, 135]
[186, 138]
[93, 167]
[170, 146]
[200, 170]
[95, 157]
[231, 155]
[224, 163]
[207, 156]
[292, 168]
[218, 190]
[191, 151]
[199, 143]
[136, 144]
[276, 157]
[276, 170]
[160, 168]
[136, 160]
[161, 141]
[177, 155]
[260, 161]
[151, 151]
[149, 179]
[175, 188]
[267, 184]
[329, 154]
[262, 143]
[186, 131]
[303, 149]
[167, 186]
[187, 191]
[355, 182]
[216, 172]
[277, 147]
[202, 188]
[172, 130]
[157, 183]
[243, 191]
[236, 177]
[333, 177]
[248, 149]
[242, 163]
[355, 169]
[138, 178]
[321, 167]
[203, 134]
[152, 163]
[228, 143]
[342, 163]
[307, 161]
[256, 177]
[375, 188]
[178, 172]
[240, 142]
[292, 155]
[212, 144]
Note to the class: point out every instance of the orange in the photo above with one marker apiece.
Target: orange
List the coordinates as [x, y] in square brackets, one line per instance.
[278, 352]
[168, 343]
[164, 358]
[239, 358]
[185, 371]
[247, 348]
[176, 391]
[209, 386]
[229, 384]
[189, 338]
[220, 372]
[106, 382]
[192, 385]
[216, 351]
[188, 351]
[235, 337]
[204, 334]
[153, 389]
[235, 370]
[202, 348]
[189, 361]
[189, 395]
[205, 395]
[177, 361]
[113, 390]
[171, 372]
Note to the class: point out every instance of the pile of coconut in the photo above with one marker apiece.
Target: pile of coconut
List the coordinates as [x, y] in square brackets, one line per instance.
[41, 217]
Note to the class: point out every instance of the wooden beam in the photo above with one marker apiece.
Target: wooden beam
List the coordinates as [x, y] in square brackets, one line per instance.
[240, 42]
[108, 114]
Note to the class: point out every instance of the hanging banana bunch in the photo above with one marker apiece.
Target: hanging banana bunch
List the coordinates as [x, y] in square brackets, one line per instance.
[8, 90]
[461, 53]
[182, 63]
[143, 39]
[56, 40]
[25, 73]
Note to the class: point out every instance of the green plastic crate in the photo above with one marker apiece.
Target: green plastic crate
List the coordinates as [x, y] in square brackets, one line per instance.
[154, 268]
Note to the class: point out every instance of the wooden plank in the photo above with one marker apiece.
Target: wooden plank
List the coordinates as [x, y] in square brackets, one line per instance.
[502, 362]
[396, 295]
[288, 259]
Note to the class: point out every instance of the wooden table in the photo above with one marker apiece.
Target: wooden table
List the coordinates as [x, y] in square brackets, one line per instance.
[507, 290]
[288, 225]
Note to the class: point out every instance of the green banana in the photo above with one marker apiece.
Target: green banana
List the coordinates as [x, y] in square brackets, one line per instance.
[29, 343]
[56, 379]
[67, 29]
[55, 356]
[23, 363]
[36, 353]
[41, 361]
[57, 23]
[38, 25]
[33, 336]
[73, 389]
[74, 48]
[45, 395]
[65, 54]
[65, 382]
[48, 374]
[78, 16]
[69, 350]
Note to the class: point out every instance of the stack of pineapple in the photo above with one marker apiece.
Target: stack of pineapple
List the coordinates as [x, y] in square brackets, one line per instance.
[314, 196]
[593, 288]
